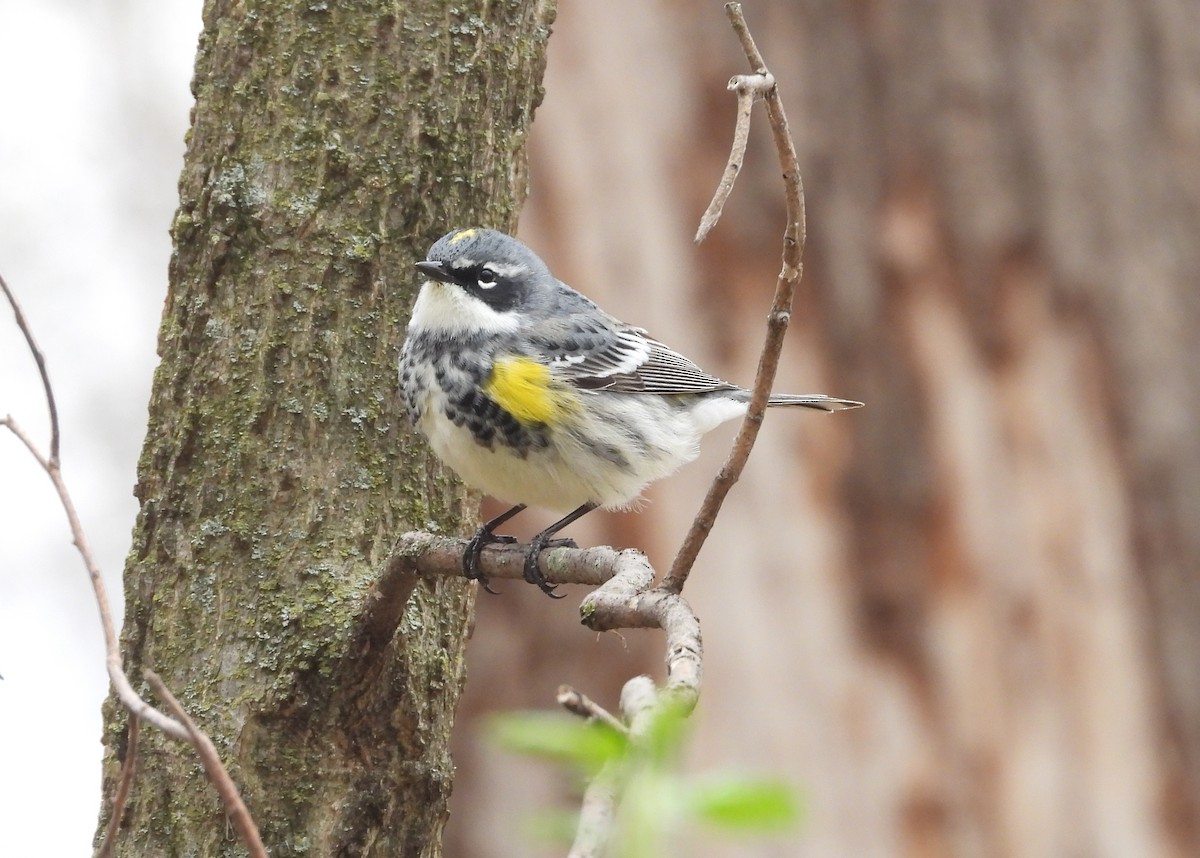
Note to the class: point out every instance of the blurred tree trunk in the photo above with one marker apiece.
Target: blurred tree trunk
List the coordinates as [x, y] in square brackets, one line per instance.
[330, 145]
[967, 617]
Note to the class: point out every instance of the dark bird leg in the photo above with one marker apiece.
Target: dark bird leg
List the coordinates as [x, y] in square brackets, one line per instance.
[543, 540]
[484, 537]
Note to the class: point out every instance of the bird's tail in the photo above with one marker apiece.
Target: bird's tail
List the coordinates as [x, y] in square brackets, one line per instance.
[812, 400]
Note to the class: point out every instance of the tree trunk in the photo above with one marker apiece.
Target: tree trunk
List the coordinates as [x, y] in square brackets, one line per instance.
[330, 145]
[967, 617]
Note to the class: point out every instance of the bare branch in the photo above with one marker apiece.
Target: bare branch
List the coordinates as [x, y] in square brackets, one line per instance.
[777, 321]
[733, 11]
[112, 648]
[235, 808]
[418, 555]
[620, 605]
[623, 601]
[746, 87]
[426, 555]
[128, 768]
[40, 359]
[598, 811]
[116, 672]
[578, 703]
[10, 423]
[182, 729]
[638, 698]
[597, 814]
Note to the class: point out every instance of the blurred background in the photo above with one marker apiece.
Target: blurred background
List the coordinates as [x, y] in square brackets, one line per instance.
[94, 104]
[964, 620]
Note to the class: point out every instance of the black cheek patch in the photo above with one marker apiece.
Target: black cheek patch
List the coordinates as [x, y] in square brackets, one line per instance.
[502, 297]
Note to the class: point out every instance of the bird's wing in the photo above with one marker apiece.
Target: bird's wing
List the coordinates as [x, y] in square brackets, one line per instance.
[624, 359]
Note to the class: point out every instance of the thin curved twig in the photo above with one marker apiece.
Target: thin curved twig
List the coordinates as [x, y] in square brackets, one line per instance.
[53, 468]
[40, 360]
[235, 808]
[129, 698]
[182, 729]
[777, 321]
[747, 88]
[128, 769]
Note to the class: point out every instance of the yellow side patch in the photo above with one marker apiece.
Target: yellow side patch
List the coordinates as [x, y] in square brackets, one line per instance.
[522, 388]
[462, 234]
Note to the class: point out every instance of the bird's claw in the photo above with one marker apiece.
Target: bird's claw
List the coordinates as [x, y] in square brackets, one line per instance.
[482, 538]
[533, 574]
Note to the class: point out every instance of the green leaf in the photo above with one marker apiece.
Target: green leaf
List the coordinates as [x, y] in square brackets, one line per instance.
[745, 804]
[550, 827]
[667, 729]
[558, 737]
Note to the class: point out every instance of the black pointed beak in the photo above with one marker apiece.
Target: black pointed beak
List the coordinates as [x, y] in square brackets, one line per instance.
[435, 270]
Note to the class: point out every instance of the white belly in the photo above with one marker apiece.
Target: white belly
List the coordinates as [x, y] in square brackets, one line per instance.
[589, 461]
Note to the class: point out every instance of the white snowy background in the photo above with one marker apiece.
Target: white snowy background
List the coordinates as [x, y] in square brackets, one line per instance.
[94, 100]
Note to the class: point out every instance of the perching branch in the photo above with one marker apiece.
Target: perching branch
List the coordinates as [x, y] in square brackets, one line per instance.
[623, 601]
[182, 729]
[777, 321]
[427, 555]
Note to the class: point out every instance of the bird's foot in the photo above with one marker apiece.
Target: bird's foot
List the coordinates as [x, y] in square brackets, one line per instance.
[532, 573]
[482, 538]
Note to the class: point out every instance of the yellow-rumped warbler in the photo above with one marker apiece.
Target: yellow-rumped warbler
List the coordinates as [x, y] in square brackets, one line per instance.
[533, 394]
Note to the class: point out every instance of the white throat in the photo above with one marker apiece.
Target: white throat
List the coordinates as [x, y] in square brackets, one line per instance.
[446, 308]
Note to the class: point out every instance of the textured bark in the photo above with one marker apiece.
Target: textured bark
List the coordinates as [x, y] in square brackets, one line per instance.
[967, 617]
[330, 145]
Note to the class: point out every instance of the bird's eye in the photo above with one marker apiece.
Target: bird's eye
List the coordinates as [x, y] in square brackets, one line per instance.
[487, 278]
